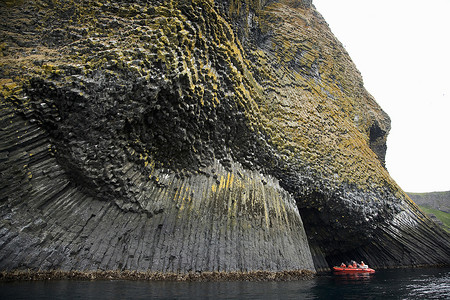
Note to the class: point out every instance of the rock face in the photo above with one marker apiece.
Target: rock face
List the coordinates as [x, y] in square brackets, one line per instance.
[184, 136]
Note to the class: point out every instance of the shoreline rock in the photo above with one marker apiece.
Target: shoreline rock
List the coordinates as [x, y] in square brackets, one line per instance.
[27, 275]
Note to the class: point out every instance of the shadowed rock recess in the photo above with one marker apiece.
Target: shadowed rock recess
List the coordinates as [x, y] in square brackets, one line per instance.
[193, 136]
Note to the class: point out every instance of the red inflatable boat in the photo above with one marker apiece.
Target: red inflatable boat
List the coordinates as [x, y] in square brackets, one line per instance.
[347, 270]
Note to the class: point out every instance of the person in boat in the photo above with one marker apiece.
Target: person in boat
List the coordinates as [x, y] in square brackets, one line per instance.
[343, 265]
[363, 265]
[354, 265]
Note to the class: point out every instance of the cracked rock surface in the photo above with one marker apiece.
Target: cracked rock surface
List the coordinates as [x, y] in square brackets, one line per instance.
[190, 136]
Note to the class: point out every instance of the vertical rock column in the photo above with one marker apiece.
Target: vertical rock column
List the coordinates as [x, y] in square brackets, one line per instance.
[235, 220]
[214, 220]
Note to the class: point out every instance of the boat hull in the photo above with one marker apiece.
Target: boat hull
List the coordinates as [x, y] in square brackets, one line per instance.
[352, 270]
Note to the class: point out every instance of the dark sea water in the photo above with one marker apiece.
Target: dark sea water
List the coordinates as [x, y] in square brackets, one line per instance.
[388, 284]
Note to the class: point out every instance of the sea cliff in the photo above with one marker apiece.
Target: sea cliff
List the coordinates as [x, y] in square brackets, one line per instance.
[193, 136]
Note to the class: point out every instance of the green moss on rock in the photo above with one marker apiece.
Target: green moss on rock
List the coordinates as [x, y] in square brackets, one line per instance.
[152, 109]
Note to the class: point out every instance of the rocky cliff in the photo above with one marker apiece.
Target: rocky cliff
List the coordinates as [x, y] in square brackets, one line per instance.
[185, 136]
[435, 200]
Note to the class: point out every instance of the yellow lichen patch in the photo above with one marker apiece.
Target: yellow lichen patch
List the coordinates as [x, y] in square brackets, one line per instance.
[318, 87]
[298, 88]
[8, 87]
[230, 179]
[222, 183]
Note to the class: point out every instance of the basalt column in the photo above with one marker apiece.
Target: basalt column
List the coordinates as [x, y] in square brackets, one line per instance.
[193, 135]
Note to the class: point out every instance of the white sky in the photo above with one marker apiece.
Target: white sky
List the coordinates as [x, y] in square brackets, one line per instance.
[402, 49]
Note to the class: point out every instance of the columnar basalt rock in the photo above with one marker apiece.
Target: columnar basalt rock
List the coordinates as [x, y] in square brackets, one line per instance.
[185, 136]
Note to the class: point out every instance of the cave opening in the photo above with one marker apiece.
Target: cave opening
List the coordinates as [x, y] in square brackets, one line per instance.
[334, 234]
[377, 142]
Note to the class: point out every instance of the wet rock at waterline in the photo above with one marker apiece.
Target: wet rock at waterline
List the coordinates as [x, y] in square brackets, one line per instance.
[192, 136]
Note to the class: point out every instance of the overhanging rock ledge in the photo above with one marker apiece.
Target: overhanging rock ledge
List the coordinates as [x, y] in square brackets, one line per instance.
[193, 136]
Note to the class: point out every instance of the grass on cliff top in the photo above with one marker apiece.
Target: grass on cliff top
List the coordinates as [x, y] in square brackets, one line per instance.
[442, 216]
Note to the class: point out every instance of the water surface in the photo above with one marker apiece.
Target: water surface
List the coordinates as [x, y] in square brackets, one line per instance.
[385, 284]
